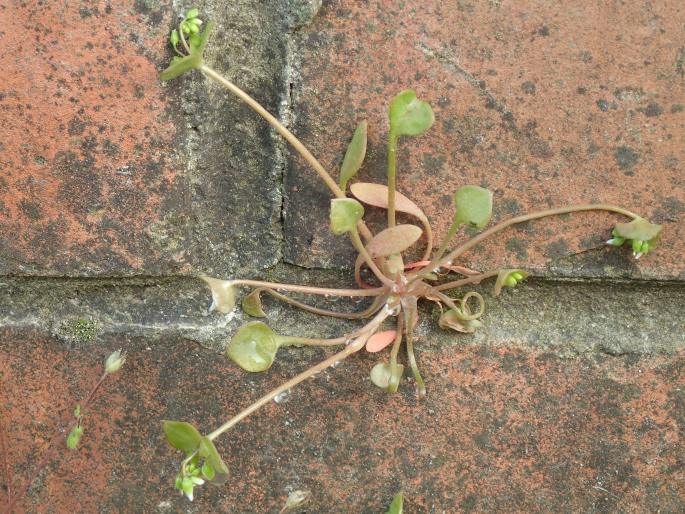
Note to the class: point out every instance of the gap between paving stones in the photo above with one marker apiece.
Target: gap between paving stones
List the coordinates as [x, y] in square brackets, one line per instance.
[564, 316]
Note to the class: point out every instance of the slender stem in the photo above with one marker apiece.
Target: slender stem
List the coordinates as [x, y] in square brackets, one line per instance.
[454, 227]
[392, 385]
[420, 384]
[324, 312]
[376, 291]
[50, 453]
[309, 341]
[369, 261]
[521, 219]
[182, 37]
[287, 135]
[354, 347]
[429, 239]
[474, 279]
[462, 311]
[278, 126]
[392, 175]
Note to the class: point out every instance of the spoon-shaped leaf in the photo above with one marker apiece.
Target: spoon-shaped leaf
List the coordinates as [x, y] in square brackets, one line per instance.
[215, 470]
[252, 304]
[223, 294]
[345, 213]
[253, 347]
[182, 436]
[393, 240]
[474, 206]
[409, 116]
[381, 375]
[639, 229]
[377, 195]
[354, 155]
[380, 340]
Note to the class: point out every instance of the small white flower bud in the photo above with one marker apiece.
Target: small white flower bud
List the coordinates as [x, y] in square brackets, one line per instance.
[114, 362]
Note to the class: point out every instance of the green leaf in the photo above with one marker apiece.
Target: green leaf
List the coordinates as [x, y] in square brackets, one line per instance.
[194, 41]
[639, 229]
[474, 206]
[409, 116]
[508, 278]
[198, 46]
[213, 459]
[354, 155]
[252, 304]
[345, 213]
[381, 374]
[396, 507]
[253, 347]
[393, 240]
[182, 436]
[74, 437]
[192, 13]
[174, 38]
[180, 66]
[208, 471]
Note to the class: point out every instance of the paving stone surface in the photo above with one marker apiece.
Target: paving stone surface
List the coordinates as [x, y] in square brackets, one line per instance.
[546, 105]
[106, 171]
[502, 429]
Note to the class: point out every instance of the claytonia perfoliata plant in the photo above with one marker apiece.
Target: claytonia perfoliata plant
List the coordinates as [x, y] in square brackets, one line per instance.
[397, 286]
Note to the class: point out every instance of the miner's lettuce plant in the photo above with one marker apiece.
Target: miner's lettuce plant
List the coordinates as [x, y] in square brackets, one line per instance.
[397, 286]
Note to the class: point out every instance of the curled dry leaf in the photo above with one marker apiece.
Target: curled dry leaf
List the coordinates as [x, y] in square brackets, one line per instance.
[223, 294]
[451, 320]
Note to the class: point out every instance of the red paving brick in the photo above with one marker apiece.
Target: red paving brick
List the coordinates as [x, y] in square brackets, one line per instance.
[85, 153]
[544, 104]
[501, 430]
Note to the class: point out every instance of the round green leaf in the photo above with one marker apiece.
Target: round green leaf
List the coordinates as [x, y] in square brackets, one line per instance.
[354, 155]
[474, 206]
[253, 347]
[382, 377]
[345, 213]
[639, 229]
[182, 436]
[409, 116]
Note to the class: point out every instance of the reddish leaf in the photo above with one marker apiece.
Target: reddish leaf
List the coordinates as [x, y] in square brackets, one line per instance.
[393, 240]
[377, 195]
[380, 340]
